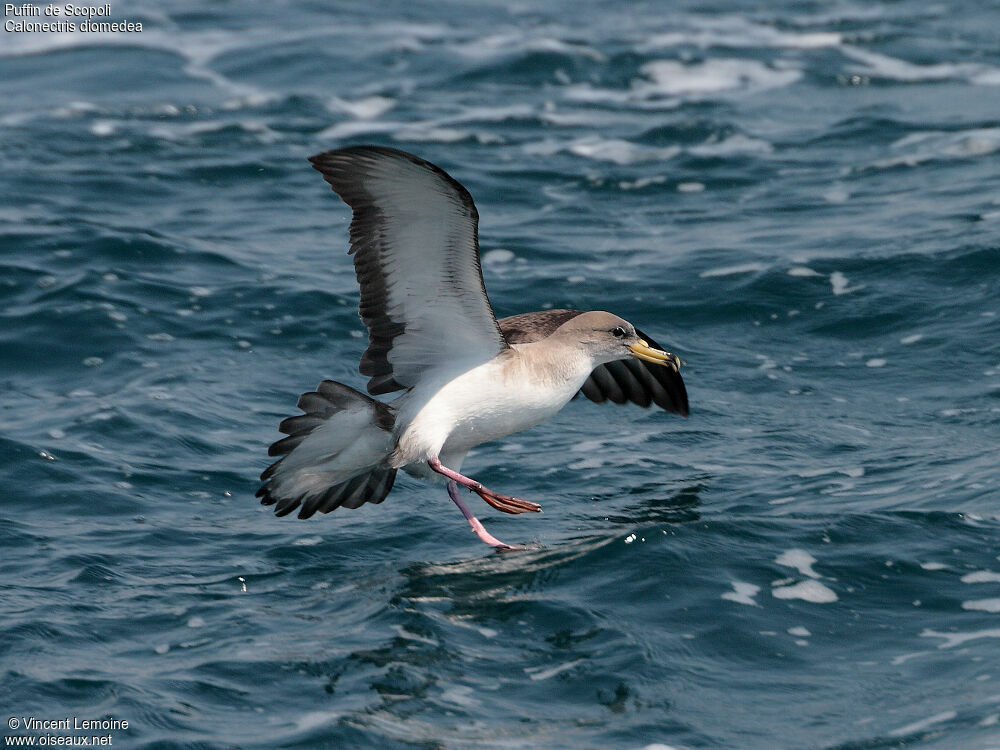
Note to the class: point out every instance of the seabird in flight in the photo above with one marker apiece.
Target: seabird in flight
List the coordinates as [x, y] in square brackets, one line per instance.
[463, 378]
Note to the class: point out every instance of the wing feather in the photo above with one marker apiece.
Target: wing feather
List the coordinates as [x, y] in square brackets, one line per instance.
[414, 238]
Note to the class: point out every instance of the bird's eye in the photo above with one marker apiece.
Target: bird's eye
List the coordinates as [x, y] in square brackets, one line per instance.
[618, 333]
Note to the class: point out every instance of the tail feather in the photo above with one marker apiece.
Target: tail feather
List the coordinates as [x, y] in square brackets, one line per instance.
[334, 455]
[303, 424]
[285, 445]
[372, 487]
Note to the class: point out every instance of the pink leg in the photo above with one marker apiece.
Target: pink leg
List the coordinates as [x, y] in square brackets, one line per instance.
[477, 527]
[505, 503]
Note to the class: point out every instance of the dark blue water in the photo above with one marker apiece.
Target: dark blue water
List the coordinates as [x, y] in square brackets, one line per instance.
[801, 199]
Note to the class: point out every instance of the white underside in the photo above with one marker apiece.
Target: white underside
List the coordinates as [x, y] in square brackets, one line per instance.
[491, 401]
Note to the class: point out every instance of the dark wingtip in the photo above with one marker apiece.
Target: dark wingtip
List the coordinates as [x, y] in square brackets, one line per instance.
[318, 161]
[676, 392]
[684, 411]
[673, 384]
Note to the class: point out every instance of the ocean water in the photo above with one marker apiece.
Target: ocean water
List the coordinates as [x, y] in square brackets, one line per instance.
[801, 199]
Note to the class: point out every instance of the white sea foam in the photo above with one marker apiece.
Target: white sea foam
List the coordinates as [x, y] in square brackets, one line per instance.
[803, 271]
[838, 282]
[74, 109]
[957, 639]
[589, 117]
[103, 128]
[614, 150]
[799, 559]
[919, 726]
[461, 695]
[177, 131]
[810, 591]
[435, 135]
[981, 576]
[507, 43]
[737, 32]
[982, 605]
[588, 446]
[733, 145]
[409, 635]
[438, 129]
[593, 462]
[742, 593]
[351, 128]
[543, 673]
[713, 76]
[878, 65]
[642, 182]
[903, 658]
[366, 108]
[623, 152]
[837, 194]
[665, 84]
[620, 152]
[497, 257]
[918, 148]
[736, 270]
[311, 720]
[690, 187]
[492, 114]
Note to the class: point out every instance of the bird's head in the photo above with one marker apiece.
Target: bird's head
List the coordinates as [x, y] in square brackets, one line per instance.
[607, 338]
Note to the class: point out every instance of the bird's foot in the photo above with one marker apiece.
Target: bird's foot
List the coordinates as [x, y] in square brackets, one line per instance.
[506, 503]
[477, 527]
[510, 548]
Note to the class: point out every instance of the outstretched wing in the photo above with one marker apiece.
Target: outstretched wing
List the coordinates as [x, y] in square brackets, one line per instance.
[414, 238]
[624, 380]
